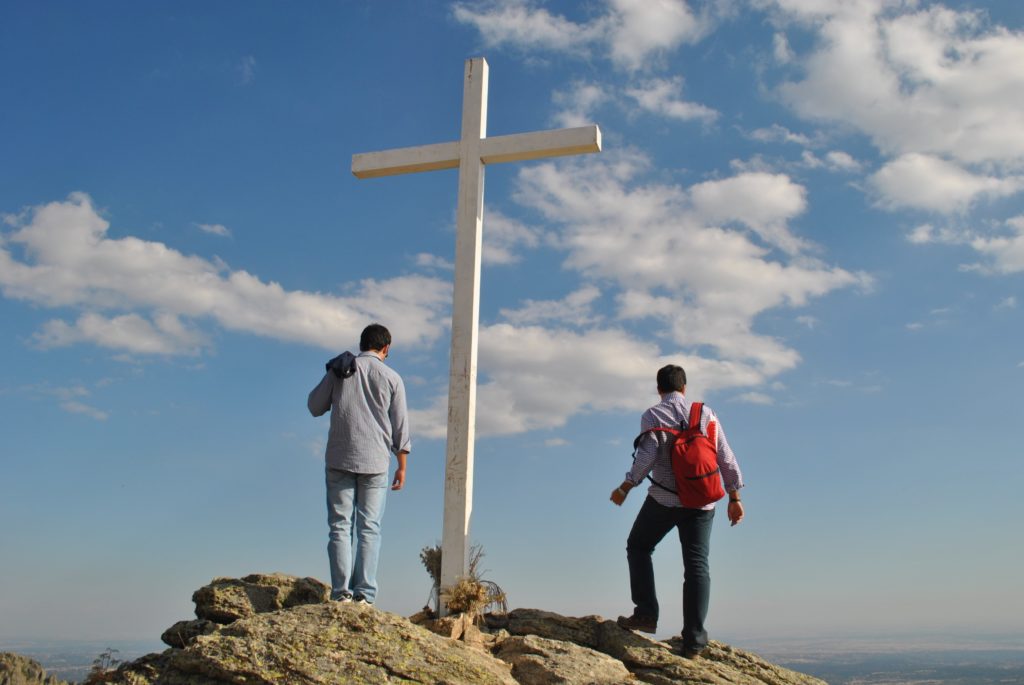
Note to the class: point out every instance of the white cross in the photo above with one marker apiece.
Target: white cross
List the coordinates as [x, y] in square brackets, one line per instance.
[469, 154]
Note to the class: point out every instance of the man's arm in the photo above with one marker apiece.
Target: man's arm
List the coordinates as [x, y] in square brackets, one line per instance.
[731, 474]
[646, 453]
[319, 400]
[401, 444]
[398, 414]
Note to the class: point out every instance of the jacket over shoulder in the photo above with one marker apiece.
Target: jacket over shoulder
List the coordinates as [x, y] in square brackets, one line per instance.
[337, 369]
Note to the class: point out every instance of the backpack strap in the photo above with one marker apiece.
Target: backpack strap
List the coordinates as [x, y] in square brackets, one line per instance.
[636, 445]
[695, 411]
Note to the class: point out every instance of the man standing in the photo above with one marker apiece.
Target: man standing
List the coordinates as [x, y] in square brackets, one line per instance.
[662, 511]
[369, 421]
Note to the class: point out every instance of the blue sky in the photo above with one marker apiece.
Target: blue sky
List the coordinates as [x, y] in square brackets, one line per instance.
[815, 206]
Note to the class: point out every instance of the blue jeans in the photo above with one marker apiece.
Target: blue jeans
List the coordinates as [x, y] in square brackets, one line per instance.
[694, 525]
[355, 506]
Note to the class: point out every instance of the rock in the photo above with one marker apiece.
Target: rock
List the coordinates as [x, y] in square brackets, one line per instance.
[580, 631]
[16, 669]
[320, 643]
[423, 616]
[184, 633]
[452, 627]
[651, 661]
[228, 599]
[280, 630]
[540, 661]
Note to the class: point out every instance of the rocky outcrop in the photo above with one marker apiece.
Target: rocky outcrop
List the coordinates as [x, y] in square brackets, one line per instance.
[321, 643]
[184, 633]
[540, 661]
[651, 661]
[228, 599]
[287, 634]
[16, 669]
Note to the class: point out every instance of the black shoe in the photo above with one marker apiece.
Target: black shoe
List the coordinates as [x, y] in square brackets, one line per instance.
[644, 624]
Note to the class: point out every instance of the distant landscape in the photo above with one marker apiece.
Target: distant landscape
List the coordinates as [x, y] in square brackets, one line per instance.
[860, 663]
[71, 660]
[998, 660]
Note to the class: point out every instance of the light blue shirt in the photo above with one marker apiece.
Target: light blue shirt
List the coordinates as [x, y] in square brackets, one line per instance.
[369, 419]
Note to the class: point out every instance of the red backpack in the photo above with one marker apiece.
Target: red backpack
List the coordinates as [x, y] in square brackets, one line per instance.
[694, 459]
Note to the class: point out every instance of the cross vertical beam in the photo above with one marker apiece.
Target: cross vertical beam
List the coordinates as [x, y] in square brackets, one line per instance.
[458, 478]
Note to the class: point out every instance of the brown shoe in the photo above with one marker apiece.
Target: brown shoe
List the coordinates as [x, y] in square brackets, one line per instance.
[644, 624]
[693, 652]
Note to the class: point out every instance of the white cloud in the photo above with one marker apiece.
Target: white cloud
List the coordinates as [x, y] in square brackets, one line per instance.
[838, 160]
[925, 182]
[215, 229]
[145, 297]
[518, 23]
[502, 237]
[431, 261]
[247, 70]
[70, 398]
[575, 310]
[808, 321]
[629, 32]
[577, 103]
[1005, 254]
[916, 80]
[1008, 303]
[761, 201]
[756, 398]
[664, 97]
[556, 442]
[166, 335]
[781, 50]
[939, 92]
[924, 234]
[779, 134]
[642, 27]
[76, 407]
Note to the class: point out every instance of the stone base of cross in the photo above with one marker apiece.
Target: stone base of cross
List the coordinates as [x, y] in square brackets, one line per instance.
[469, 154]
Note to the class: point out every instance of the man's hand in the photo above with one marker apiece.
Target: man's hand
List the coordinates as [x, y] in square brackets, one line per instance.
[399, 480]
[735, 512]
[619, 493]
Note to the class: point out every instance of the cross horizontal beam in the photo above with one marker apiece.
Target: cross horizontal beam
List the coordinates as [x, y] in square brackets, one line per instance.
[520, 147]
[406, 160]
[513, 148]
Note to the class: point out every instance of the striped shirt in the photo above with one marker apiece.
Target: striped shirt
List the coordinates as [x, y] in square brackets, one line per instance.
[653, 453]
[369, 419]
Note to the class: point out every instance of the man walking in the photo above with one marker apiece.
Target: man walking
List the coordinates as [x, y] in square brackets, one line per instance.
[369, 422]
[662, 511]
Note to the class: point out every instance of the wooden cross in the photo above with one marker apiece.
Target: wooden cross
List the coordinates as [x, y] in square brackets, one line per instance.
[469, 154]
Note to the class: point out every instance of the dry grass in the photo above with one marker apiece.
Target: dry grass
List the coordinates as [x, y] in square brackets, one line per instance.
[471, 595]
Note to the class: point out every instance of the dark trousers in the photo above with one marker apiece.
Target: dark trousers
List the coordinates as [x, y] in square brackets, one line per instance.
[694, 525]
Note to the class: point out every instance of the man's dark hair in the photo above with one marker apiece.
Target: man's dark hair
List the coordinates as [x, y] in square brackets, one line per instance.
[671, 378]
[374, 337]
